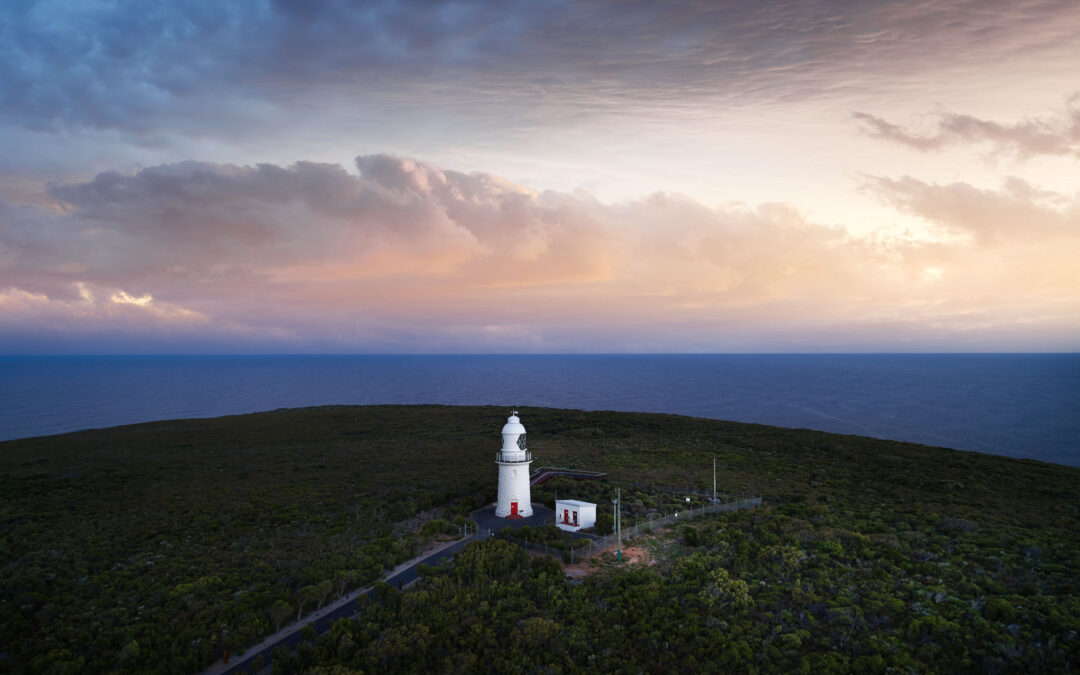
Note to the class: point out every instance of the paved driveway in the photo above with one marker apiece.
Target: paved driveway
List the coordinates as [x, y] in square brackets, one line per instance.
[490, 523]
[346, 610]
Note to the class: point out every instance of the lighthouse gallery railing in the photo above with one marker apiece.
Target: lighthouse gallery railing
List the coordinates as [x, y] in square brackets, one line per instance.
[499, 456]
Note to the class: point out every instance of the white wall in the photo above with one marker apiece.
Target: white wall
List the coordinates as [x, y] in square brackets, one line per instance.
[514, 486]
[586, 514]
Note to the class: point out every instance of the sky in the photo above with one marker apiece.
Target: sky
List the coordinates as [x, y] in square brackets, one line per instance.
[539, 177]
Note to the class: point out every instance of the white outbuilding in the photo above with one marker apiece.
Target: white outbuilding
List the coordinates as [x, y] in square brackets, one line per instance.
[572, 515]
[515, 500]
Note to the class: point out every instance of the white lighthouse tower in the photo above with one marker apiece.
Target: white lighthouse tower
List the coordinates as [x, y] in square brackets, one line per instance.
[513, 460]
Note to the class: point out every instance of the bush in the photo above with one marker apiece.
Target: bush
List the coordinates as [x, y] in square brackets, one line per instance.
[436, 526]
[831, 547]
[999, 609]
[280, 659]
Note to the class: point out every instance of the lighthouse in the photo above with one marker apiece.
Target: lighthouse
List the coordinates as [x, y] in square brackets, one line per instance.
[513, 460]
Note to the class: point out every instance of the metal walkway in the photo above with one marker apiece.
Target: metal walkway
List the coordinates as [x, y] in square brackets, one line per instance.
[547, 472]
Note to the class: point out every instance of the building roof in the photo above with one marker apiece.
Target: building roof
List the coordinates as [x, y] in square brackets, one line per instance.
[574, 502]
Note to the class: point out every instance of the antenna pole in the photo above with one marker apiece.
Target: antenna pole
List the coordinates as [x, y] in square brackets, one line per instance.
[714, 478]
[618, 523]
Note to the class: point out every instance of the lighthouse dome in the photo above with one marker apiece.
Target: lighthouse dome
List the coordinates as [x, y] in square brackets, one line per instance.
[513, 426]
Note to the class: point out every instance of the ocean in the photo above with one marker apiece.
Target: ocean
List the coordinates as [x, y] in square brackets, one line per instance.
[1020, 405]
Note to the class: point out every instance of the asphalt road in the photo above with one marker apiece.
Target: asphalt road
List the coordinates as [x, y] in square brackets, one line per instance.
[489, 522]
[349, 609]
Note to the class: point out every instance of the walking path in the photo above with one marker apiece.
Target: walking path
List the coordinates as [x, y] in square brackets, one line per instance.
[344, 607]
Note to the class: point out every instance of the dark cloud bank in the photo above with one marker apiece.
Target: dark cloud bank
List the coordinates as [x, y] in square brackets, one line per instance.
[211, 68]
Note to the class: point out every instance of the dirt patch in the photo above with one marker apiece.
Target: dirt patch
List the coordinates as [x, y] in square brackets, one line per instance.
[578, 570]
[637, 554]
[631, 555]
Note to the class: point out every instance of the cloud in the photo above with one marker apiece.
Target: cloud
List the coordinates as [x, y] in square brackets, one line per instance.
[227, 69]
[403, 255]
[94, 319]
[1025, 139]
[1017, 213]
[1010, 261]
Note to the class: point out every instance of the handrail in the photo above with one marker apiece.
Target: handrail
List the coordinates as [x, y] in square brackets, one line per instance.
[546, 472]
[568, 470]
[499, 457]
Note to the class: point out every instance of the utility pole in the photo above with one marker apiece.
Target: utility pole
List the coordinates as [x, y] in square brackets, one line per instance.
[616, 513]
[618, 522]
[714, 478]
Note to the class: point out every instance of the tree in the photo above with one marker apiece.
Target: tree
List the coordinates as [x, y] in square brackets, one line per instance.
[280, 659]
[304, 596]
[326, 587]
[279, 611]
[129, 655]
[723, 591]
[343, 579]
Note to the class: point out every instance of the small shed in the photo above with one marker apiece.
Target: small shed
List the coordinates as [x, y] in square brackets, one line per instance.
[572, 515]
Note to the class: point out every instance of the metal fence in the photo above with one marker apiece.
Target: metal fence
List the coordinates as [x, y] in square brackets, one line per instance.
[594, 545]
[676, 489]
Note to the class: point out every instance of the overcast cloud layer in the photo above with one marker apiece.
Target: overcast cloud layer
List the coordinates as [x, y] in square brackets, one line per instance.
[633, 176]
[108, 65]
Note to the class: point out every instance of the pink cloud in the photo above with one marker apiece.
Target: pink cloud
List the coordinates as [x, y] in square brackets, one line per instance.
[1026, 138]
[405, 255]
[1017, 213]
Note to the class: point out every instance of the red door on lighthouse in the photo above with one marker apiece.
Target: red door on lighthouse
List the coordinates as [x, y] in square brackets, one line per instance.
[513, 509]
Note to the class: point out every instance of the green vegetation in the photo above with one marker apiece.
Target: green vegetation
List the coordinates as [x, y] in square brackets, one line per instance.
[153, 547]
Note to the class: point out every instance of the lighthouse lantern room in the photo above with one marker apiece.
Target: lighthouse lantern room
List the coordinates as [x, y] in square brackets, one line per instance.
[513, 460]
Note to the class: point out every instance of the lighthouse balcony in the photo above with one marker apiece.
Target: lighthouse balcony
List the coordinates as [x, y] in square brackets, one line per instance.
[513, 457]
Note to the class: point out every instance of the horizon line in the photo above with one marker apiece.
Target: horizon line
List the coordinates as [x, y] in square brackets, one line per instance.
[421, 354]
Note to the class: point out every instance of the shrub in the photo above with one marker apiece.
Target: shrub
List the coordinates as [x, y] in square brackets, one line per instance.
[434, 527]
[831, 547]
[999, 609]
